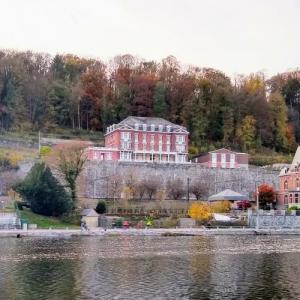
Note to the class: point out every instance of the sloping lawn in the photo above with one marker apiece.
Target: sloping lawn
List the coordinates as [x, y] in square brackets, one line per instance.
[44, 222]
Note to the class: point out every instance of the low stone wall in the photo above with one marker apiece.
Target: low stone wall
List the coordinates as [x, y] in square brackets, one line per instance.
[97, 176]
[274, 220]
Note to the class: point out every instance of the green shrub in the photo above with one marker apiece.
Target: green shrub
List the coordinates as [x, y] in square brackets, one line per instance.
[45, 150]
[101, 207]
[119, 223]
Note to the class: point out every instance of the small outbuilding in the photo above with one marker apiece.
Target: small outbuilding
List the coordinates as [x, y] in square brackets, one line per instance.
[90, 217]
[229, 195]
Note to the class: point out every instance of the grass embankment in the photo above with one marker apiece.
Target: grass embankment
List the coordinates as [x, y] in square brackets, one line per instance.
[263, 159]
[21, 154]
[44, 222]
[58, 133]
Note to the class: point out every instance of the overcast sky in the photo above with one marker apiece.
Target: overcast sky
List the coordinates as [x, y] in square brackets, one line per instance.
[235, 36]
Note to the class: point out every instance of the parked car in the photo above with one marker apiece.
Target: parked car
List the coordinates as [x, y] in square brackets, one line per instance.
[243, 205]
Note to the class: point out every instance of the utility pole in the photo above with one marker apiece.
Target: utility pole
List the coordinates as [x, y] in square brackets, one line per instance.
[188, 188]
[39, 142]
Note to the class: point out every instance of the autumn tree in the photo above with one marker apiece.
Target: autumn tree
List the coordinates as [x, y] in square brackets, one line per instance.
[279, 115]
[246, 133]
[266, 195]
[68, 161]
[201, 212]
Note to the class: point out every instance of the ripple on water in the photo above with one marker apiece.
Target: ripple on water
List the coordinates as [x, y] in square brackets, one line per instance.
[135, 267]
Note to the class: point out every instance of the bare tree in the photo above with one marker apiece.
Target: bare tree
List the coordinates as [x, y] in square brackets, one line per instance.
[115, 186]
[176, 188]
[199, 187]
[141, 189]
[152, 184]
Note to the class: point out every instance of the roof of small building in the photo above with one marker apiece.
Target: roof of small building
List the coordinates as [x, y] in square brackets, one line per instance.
[221, 150]
[89, 212]
[228, 195]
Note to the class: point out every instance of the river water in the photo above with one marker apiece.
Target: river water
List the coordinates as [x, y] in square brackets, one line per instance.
[150, 267]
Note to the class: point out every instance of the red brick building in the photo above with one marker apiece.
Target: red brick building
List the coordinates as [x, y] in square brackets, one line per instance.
[143, 139]
[289, 183]
[222, 158]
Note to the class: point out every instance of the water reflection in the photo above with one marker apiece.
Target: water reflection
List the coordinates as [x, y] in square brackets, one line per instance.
[150, 268]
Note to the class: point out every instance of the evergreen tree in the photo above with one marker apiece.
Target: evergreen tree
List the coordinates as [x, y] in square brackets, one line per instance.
[43, 192]
[160, 105]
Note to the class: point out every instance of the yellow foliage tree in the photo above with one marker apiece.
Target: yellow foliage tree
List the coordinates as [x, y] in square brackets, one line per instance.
[201, 212]
[221, 206]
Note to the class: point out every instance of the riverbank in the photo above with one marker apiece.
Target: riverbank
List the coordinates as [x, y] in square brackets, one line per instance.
[145, 232]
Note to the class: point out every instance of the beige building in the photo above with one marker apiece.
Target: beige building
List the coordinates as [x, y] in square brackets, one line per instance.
[90, 217]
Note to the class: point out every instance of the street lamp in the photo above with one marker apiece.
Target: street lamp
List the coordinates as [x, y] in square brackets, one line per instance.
[188, 188]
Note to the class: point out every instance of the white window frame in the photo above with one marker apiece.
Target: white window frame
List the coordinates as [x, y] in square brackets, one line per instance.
[232, 160]
[223, 160]
[214, 159]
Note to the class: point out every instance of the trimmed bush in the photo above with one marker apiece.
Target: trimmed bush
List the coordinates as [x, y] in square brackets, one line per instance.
[101, 207]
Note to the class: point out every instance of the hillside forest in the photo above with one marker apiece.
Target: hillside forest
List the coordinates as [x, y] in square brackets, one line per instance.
[249, 112]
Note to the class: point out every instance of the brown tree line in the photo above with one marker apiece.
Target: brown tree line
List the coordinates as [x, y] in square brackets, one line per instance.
[40, 92]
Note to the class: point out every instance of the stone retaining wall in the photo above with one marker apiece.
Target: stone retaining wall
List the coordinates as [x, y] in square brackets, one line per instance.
[98, 174]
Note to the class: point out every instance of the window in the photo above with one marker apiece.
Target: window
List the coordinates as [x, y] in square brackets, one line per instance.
[152, 139]
[168, 128]
[291, 198]
[125, 136]
[286, 185]
[160, 142]
[152, 127]
[125, 156]
[179, 139]
[232, 160]
[136, 138]
[223, 160]
[296, 198]
[168, 139]
[214, 160]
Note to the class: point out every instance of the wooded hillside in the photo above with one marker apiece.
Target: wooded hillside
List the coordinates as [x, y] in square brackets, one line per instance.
[40, 92]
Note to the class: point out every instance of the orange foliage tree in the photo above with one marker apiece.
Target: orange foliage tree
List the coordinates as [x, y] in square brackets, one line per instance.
[201, 212]
[266, 195]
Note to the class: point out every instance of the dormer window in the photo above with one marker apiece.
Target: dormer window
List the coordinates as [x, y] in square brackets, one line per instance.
[136, 126]
[152, 127]
[160, 128]
[145, 127]
[168, 128]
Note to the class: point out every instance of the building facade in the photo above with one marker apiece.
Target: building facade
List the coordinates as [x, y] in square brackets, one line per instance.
[143, 139]
[289, 183]
[222, 158]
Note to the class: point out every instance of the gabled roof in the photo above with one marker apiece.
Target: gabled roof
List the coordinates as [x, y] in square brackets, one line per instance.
[221, 150]
[296, 159]
[89, 212]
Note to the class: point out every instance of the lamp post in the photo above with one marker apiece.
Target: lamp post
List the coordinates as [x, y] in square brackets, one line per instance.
[188, 188]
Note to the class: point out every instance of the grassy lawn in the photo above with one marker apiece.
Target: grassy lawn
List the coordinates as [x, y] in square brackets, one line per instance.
[44, 222]
[20, 154]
